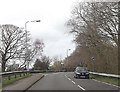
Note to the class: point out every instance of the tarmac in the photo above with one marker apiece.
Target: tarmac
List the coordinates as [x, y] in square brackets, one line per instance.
[23, 84]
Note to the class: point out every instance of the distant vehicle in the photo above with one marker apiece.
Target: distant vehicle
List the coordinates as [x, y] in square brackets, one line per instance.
[81, 71]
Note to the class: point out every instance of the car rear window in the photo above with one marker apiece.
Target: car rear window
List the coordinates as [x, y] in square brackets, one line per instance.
[82, 68]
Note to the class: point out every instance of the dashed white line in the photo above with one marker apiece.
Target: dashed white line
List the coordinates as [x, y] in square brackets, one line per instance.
[69, 79]
[73, 82]
[65, 76]
[81, 87]
[55, 73]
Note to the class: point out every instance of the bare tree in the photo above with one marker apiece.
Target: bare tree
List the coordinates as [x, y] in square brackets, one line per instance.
[119, 36]
[12, 43]
[43, 63]
[35, 50]
[95, 26]
[95, 19]
[57, 63]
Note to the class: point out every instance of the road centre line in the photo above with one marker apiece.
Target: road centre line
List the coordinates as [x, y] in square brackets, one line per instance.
[65, 76]
[69, 79]
[106, 83]
[73, 82]
[81, 87]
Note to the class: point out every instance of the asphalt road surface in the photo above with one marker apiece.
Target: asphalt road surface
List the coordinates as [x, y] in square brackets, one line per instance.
[66, 81]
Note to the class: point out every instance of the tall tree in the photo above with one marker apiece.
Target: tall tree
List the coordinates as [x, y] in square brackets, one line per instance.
[57, 65]
[95, 26]
[42, 64]
[119, 36]
[13, 46]
[12, 43]
[95, 19]
[35, 50]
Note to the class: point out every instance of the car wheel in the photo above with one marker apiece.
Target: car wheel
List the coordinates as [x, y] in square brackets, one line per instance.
[76, 76]
[87, 77]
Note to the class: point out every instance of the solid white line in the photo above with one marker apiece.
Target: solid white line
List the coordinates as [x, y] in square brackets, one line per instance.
[73, 82]
[106, 83]
[81, 87]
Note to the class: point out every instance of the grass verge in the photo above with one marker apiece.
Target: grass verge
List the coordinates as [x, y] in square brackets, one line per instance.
[110, 80]
[5, 80]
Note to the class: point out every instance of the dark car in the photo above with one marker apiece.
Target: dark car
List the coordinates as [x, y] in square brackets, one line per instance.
[81, 71]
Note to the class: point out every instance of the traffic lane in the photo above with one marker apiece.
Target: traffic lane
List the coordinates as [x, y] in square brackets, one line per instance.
[90, 84]
[54, 81]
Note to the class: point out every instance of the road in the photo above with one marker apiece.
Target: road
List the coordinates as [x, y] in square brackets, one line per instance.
[66, 81]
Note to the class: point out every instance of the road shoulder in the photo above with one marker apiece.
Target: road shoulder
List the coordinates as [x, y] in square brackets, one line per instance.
[24, 84]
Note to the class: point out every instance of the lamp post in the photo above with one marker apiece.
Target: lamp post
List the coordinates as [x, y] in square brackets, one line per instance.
[93, 62]
[67, 55]
[67, 52]
[26, 53]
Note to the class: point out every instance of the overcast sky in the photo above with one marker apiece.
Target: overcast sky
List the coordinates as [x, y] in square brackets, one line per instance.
[53, 15]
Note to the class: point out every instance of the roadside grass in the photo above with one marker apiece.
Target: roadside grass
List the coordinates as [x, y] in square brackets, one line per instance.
[5, 80]
[110, 80]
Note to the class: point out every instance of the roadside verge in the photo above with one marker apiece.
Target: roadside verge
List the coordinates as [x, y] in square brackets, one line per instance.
[24, 84]
[107, 80]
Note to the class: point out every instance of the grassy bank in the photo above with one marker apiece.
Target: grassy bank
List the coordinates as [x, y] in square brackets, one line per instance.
[110, 80]
[5, 80]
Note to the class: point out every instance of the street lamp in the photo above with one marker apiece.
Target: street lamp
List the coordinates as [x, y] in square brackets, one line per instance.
[67, 55]
[67, 52]
[93, 62]
[26, 54]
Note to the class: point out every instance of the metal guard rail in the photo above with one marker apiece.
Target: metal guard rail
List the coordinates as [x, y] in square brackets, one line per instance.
[13, 72]
[31, 71]
[40, 71]
[8, 74]
[106, 75]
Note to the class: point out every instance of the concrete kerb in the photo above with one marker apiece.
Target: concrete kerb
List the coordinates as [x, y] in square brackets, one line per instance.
[24, 84]
[33, 84]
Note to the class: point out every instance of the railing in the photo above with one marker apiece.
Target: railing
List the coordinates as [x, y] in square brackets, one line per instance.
[15, 73]
[42, 71]
[106, 75]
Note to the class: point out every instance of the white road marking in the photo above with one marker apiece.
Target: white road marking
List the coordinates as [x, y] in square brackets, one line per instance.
[65, 76]
[73, 82]
[81, 87]
[107, 83]
[45, 74]
[69, 79]
[55, 73]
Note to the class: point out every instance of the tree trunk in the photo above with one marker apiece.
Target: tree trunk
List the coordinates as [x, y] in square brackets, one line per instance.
[3, 64]
[3, 67]
[119, 36]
